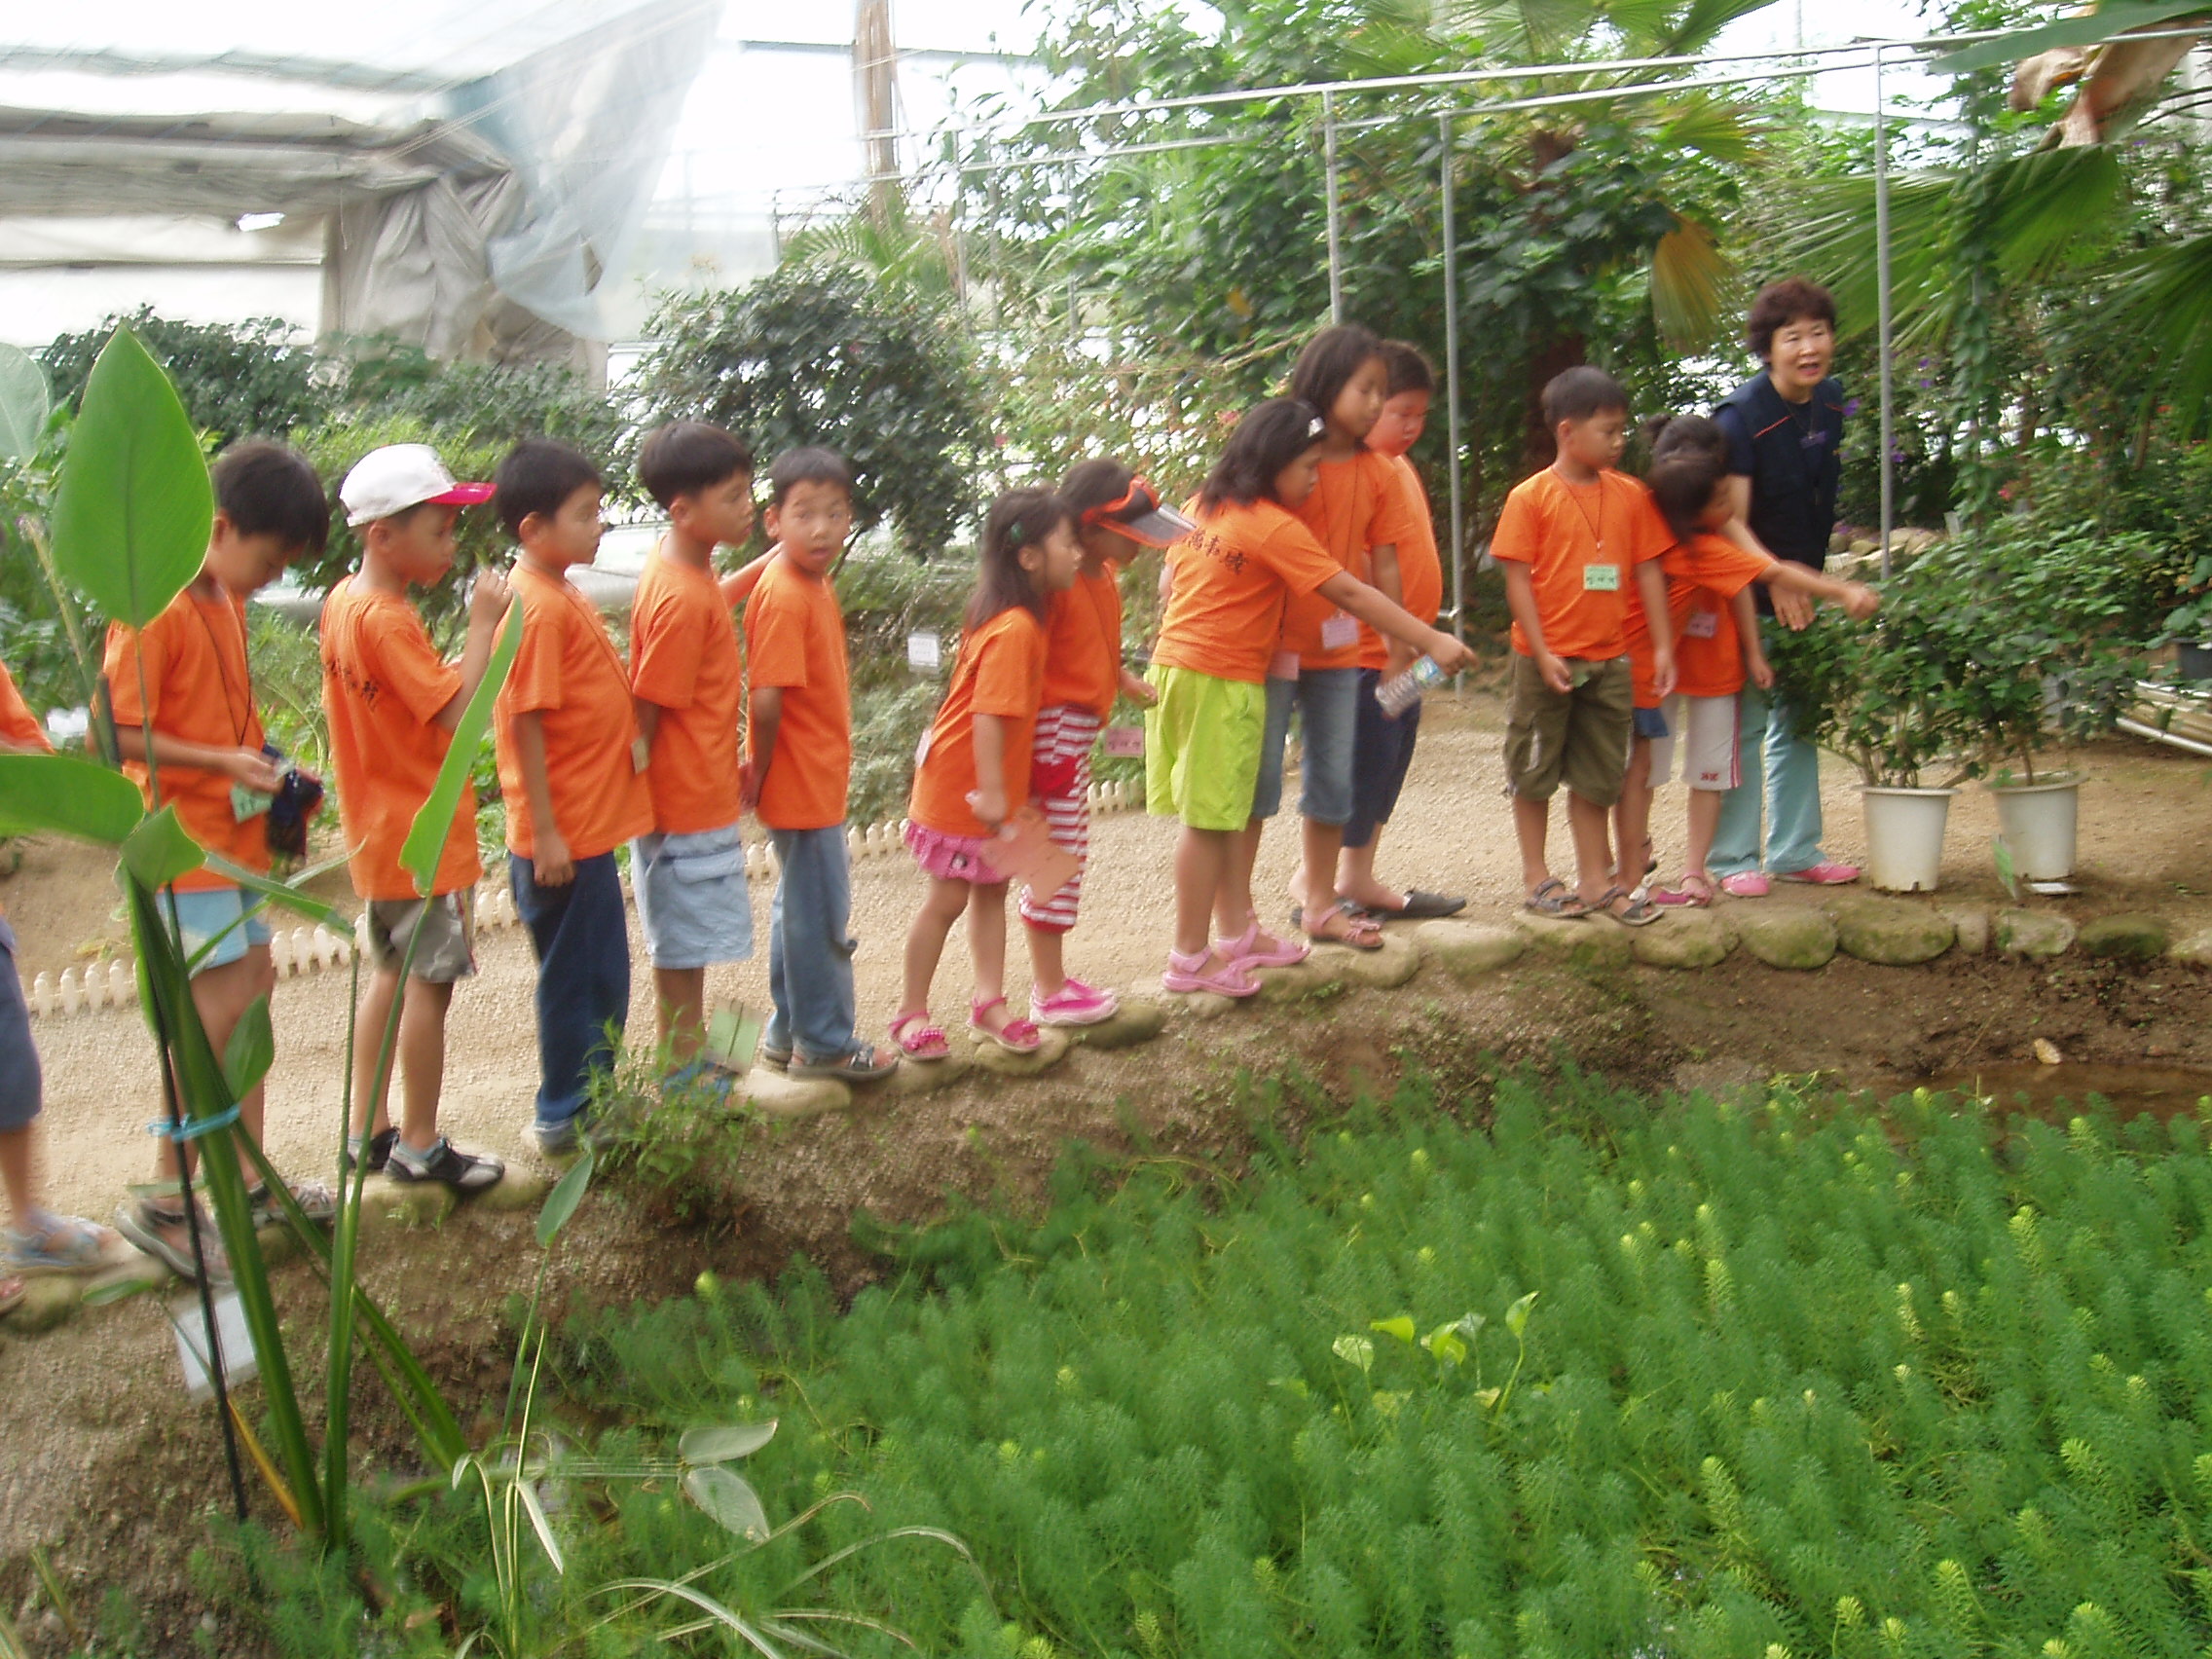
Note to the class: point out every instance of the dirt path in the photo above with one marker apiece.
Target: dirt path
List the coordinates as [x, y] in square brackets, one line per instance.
[2144, 845]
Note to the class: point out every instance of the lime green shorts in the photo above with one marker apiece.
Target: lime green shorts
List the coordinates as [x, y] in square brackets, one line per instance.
[1202, 747]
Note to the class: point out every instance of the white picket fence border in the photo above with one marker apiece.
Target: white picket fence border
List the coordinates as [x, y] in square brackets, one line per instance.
[296, 951]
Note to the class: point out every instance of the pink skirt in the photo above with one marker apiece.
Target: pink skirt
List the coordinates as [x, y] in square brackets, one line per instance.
[951, 858]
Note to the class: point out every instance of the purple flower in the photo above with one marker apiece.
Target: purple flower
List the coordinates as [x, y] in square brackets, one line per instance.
[1851, 407]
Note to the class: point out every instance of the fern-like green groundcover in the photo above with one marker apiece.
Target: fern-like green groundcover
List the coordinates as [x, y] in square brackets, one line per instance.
[1610, 1379]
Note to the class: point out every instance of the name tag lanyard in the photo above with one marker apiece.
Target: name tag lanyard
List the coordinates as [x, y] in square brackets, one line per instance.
[1596, 522]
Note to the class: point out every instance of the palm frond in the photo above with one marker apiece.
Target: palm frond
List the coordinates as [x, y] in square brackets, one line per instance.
[2048, 204]
[1699, 23]
[1832, 239]
[1718, 128]
[1529, 29]
[1691, 283]
[2163, 305]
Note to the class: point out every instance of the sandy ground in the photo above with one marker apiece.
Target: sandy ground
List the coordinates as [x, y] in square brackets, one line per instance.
[2145, 845]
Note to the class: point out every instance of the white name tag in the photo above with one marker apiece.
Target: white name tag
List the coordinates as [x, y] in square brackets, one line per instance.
[1702, 625]
[1339, 631]
[1601, 578]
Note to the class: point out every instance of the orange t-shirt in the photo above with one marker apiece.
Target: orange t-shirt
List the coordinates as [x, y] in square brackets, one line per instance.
[1583, 543]
[1233, 578]
[1357, 505]
[1421, 570]
[568, 672]
[683, 657]
[1703, 573]
[796, 632]
[1083, 642]
[17, 724]
[1001, 670]
[198, 689]
[383, 686]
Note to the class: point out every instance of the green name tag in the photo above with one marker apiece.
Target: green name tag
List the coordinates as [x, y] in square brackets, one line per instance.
[248, 803]
[1601, 578]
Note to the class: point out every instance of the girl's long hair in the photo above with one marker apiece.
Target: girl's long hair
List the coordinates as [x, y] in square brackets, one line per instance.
[1330, 359]
[1269, 439]
[1019, 519]
[1094, 484]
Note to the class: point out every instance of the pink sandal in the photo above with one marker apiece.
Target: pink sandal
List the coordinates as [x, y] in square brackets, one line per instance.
[1241, 953]
[1017, 1036]
[1187, 973]
[1694, 891]
[1073, 1003]
[924, 1041]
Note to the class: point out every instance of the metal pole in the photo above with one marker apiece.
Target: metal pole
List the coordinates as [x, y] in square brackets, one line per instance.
[1336, 240]
[1882, 304]
[1451, 387]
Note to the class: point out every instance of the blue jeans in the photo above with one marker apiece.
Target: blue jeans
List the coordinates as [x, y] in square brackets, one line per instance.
[1780, 772]
[582, 940]
[811, 944]
[1325, 699]
[1383, 748]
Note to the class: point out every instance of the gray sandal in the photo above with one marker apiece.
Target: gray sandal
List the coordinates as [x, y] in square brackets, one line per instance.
[1556, 900]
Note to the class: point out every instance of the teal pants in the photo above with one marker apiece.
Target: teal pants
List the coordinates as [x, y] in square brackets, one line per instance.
[1782, 775]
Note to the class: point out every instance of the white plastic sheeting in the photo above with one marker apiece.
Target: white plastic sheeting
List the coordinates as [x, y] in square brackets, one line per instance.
[470, 204]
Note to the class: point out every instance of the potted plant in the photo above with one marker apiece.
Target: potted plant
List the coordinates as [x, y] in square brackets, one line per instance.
[2053, 664]
[1886, 695]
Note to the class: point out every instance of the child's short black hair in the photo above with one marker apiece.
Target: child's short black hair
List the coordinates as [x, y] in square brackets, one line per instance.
[1330, 359]
[1266, 440]
[1778, 305]
[1682, 481]
[1408, 368]
[265, 489]
[1581, 392]
[1698, 433]
[815, 465]
[685, 457]
[538, 476]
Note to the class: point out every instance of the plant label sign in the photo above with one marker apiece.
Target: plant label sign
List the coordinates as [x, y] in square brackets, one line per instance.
[239, 1361]
[1126, 741]
[925, 651]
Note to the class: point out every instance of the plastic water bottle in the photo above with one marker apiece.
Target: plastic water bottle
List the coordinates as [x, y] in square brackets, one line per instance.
[1401, 693]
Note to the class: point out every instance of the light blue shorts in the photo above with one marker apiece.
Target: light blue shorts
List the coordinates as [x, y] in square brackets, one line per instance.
[204, 914]
[1327, 700]
[691, 898]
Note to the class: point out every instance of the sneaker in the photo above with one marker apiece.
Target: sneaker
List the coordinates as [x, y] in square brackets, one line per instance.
[1824, 875]
[379, 1152]
[163, 1234]
[560, 1139]
[1073, 1003]
[864, 1065]
[462, 1171]
[775, 1059]
[1746, 884]
[312, 1196]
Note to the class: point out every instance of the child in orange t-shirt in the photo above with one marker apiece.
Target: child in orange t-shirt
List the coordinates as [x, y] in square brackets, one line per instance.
[1233, 578]
[973, 771]
[571, 767]
[687, 677]
[394, 703]
[1358, 512]
[1383, 748]
[1573, 542]
[1117, 515]
[801, 738]
[1715, 626]
[182, 692]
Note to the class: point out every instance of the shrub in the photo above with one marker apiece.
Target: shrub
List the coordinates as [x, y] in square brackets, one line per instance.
[253, 378]
[816, 353]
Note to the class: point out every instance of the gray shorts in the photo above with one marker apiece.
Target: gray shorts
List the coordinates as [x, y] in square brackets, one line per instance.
[447, 951]
[691, 898]
[21, 1082]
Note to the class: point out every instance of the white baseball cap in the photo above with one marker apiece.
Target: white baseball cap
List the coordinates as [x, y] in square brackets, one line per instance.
[399, 476]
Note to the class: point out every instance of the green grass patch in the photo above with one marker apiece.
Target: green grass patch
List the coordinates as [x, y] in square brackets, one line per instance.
[1788, 1381]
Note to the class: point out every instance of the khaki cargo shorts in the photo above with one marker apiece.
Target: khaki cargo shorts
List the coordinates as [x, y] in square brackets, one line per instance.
[1578, 737]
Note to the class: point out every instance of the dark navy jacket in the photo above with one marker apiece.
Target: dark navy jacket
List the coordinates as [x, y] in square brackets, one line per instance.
[1793, 455]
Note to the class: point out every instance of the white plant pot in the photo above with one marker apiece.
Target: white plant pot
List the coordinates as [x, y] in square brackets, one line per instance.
[1904, 836]
[2039, 821]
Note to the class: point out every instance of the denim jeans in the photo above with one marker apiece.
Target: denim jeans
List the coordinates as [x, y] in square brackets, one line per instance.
[811, 945]
[582, 940]
[1383, 748]
[1780, 772]
[1324, 698]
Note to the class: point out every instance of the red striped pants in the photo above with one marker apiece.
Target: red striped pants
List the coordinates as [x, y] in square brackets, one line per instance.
[1060, 777]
